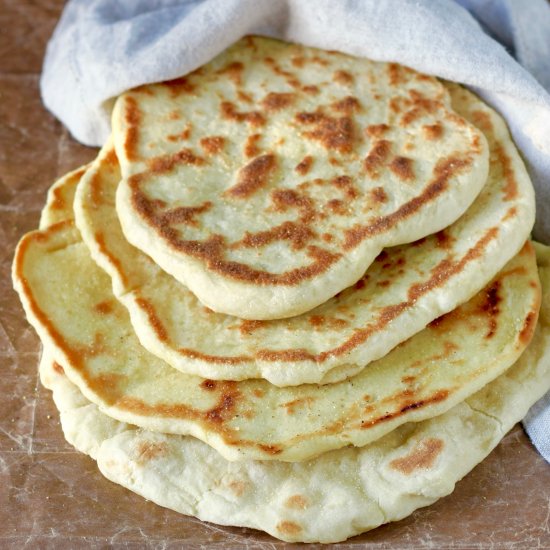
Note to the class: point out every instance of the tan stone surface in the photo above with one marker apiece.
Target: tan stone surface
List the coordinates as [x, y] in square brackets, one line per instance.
[53, 497]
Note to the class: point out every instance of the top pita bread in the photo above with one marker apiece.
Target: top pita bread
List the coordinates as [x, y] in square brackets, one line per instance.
[268, 180]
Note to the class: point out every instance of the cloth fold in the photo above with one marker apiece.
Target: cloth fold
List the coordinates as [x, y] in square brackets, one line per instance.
[101, 48]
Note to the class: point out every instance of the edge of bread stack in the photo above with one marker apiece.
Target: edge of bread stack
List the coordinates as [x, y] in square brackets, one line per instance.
[295, 292]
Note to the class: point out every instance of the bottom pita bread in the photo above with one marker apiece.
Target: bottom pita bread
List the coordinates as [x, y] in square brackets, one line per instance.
[332, 497]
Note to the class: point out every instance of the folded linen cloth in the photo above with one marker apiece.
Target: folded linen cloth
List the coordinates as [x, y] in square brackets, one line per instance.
[103, 47]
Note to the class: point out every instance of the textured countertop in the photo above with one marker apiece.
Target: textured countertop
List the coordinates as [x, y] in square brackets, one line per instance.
[53, 497]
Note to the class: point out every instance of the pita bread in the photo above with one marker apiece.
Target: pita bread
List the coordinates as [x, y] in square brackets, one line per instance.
[59, 203]
[403, 290]
[68, 300]
[330, 498]
[268, 180]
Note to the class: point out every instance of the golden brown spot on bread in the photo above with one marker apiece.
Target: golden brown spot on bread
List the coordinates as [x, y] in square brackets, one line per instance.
[304, 165]
[448, 349]
[421, 457]
[212, 145]
[234, 71]
[277, 101]
[512, 213]
[422, 77]
[527, 249]
[376, 130]
[337, 206]
[208, 385]
[225, 408]
[395, 104]
[58, 202]
[316, 320]
[216, 359]
[298, 60]
[333, 133]
[289, 528]
[360, 284]
[490, 307]
[105, 307]
[311, 89]
[395, 74]
[166, 163]
[291, 406]
[443, 171]
[244, 97]
[348, 105]
[249, 326]
[511, 186]
[382, 257]
[519, 270]
[184, 214]
[106, 385]
[154, 321]
[96, 189]
[342, 77]
[149, 450]
[377, 157]
[229, 112]
[378, 195]
[432, 131]
[528, 328]
[444, 239]
[179, 86]
[290, 78]
[251, 148]
[297, 234]
[250, 42]
[483, 121]
[237, 487]
[459, 121]
[253, 176]
[296, 502]
[284, 199]
[132, 117]
[111, 159]
[421, 105]
[319, 61]
[335, 323]
[287, 355]
[182, 136]
[58, 368]
[345, 184]
[402, 167]
[437, 397]
[144, 89]
[271, 449]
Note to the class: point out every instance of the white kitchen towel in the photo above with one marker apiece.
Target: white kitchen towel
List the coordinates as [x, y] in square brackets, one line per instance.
[103, 47]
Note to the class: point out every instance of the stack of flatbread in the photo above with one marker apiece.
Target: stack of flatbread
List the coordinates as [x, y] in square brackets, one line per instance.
[295, 291]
